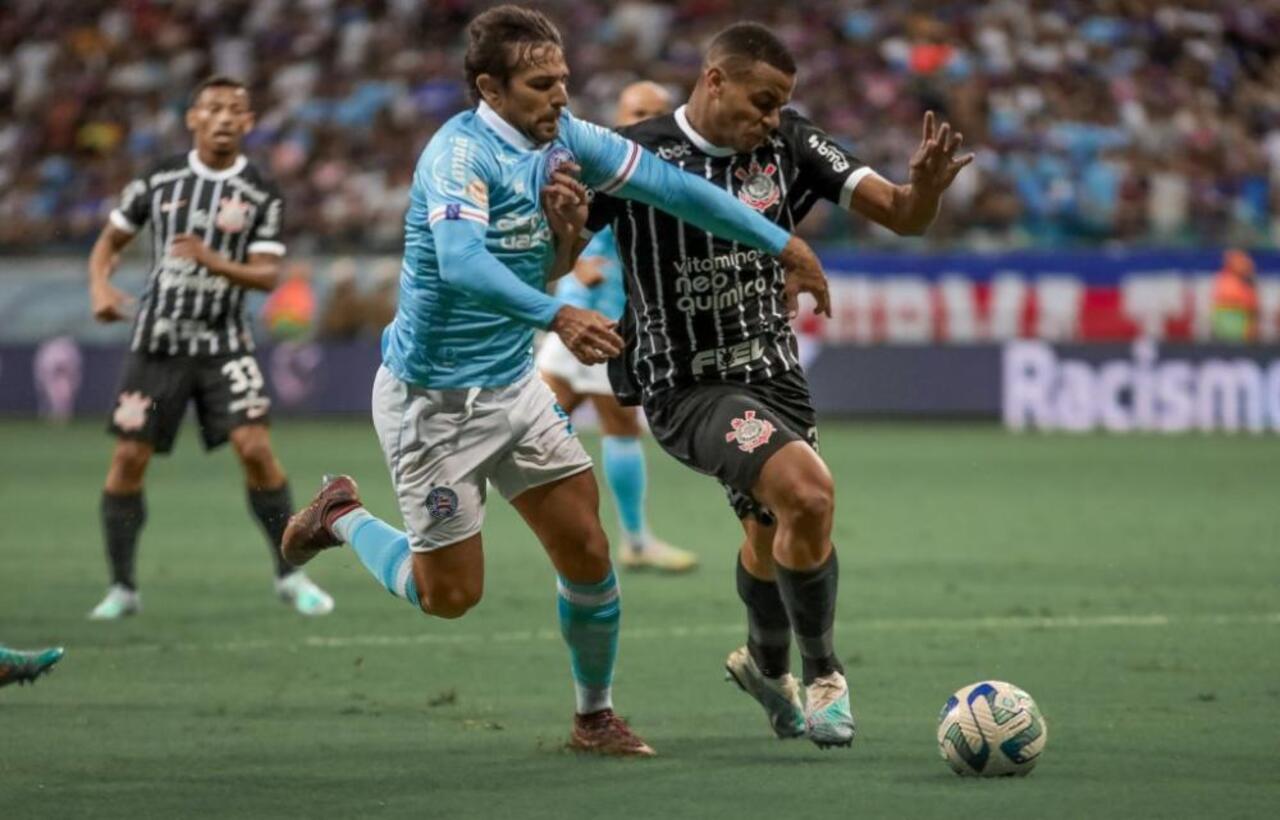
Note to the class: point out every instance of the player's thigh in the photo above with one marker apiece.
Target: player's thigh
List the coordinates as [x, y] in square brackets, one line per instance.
[615, 419]
[438, 451]
[151, 400]
[231, 392]
[565, 516]
[796, 480]
[546, 475]
[721, 430]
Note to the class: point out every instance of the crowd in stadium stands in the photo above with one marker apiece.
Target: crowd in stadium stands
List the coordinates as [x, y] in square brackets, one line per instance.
[1136, 121]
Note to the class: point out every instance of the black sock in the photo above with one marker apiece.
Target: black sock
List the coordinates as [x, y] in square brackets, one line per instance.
[272, 508]
[768, 627]
[122, 520]
[810, 596]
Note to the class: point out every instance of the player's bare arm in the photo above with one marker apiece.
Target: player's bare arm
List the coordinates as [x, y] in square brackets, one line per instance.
[108, 303]
[260, 272]
[909, 209]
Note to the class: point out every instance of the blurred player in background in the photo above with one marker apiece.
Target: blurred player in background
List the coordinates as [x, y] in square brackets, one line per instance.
[17, 666]
[456, 403]
[215, 228]
[596, 284]
[712, 356]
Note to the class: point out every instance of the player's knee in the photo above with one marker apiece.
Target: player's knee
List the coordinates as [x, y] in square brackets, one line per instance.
[254, 451]
[129, 461]
[450, 602]
[810, 500]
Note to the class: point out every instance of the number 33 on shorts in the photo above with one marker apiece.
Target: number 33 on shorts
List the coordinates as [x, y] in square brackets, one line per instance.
[244, 380]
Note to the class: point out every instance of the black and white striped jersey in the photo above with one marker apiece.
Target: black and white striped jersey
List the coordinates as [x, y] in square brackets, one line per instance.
[700, 308]
[187, 311]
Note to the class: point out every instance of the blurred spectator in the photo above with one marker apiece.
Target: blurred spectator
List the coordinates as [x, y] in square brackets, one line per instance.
[380, 306]
[343, 314]
[1235, 299]
[291, 307]
[1094, 120]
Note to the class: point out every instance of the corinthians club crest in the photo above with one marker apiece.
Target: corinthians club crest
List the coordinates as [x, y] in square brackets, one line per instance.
[758, 188]
[233, 215]
[749, 432]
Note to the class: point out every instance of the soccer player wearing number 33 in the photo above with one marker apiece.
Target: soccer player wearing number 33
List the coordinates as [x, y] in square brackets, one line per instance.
[215, 227]
[457, 404]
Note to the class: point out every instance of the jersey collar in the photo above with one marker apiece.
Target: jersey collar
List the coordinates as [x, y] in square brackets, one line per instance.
[699, 141]
[202, 170]
[509, 133]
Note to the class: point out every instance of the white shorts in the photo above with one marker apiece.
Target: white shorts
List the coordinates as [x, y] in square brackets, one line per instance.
[583, 379]
[444, 446]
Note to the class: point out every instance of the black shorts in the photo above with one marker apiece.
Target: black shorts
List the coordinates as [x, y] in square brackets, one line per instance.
[729, 430]
[228, 392]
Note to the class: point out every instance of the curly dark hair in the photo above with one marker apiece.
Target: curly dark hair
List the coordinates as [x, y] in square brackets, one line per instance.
[502, 39]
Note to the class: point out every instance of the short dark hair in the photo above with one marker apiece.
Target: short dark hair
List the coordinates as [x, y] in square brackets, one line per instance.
[214, 81]
[503, 37]
[741, 44]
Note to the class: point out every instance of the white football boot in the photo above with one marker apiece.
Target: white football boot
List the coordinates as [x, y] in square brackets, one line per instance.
[299, 591]
[780, 696]
[119, 602]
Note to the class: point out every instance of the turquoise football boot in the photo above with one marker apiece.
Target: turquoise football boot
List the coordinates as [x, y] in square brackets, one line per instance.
[25, 667]
[828, 718]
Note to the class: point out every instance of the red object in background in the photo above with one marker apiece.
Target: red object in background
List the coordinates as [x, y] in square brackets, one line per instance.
[928, 58]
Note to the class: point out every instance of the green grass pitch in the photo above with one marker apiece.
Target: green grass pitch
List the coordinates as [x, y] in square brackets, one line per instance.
[1132, 585]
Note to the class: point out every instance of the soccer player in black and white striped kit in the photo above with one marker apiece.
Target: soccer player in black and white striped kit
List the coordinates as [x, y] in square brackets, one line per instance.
[711, 355]
[216, 226]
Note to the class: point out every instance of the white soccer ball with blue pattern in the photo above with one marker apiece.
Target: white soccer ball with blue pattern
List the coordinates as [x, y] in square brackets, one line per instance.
[991, 729]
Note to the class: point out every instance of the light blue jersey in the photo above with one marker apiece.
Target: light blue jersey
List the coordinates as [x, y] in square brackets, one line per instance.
[610, 296]
[478, 246]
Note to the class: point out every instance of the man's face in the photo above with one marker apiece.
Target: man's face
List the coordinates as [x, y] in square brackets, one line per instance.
[220, 118]
[748, 103]
[533, 97]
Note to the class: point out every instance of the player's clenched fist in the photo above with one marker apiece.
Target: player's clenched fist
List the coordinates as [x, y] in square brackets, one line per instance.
[589, 336]
[109, 303]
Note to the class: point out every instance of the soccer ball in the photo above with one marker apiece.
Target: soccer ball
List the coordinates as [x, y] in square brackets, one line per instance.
[990, 729]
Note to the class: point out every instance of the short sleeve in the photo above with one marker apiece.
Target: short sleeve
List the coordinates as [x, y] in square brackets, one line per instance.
[607, 158]
[454, 175]
[135, 206]
[826, 167]
[268, 230]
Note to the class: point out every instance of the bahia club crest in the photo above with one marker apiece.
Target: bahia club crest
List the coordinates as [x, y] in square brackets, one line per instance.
[758, 188]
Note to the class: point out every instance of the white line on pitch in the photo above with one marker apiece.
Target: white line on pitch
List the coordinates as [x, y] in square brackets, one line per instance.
[677, 632]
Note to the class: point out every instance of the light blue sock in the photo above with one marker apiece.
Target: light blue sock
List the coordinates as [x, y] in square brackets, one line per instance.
[383, 549]
[624, 471]
[589, 617]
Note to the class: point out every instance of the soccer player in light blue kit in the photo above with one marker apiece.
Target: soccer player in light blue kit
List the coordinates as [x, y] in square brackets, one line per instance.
[456, 404]
[597, 284]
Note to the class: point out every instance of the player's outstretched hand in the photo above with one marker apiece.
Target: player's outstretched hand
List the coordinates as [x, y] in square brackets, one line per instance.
[564, 199]
[590, 337]
[935, 164]
[804, 275]
[109, 303]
